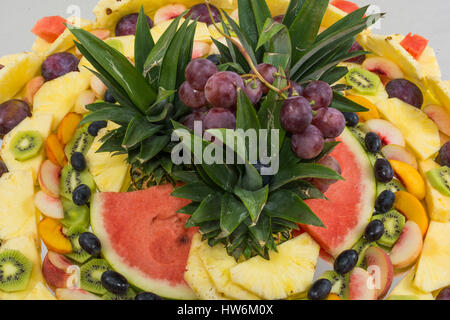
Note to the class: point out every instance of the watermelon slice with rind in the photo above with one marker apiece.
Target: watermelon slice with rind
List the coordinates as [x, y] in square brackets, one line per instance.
[350, 203]
[144, 239]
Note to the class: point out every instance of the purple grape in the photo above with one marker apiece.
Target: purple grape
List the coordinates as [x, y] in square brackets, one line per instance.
[295, 89]
[127, 25]
[324, 184]
[254, 91]
[308, 144]
[444, 294]
[190, 97]
[279, 18]
[406, 91]
[221, 89]
[201, 11]
[444, 155]
[330, 122]
[356, 47]
[218, 118]
[319, 93]
[268, 72]
[296, 114]
[198, 72]
[1, 66]
[12, 113]
[191, 118]
[59, 64]
[3, 168]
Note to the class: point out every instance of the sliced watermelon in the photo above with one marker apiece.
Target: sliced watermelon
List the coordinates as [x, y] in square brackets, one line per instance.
[350, 203]
[346, 6]
[144, 238]
[415, 45]
[49, 28]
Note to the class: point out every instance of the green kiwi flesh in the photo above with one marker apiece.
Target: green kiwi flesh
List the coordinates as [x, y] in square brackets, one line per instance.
[359, 134]
[363, 81]
[339, 284]
[393, 222]
[393, 185]
[361, 247]
[71, 179]
[26, 145]
[440, 180]
[75, 216]
[15, 271]
[91, 274]
[81, 142]
[78, 254]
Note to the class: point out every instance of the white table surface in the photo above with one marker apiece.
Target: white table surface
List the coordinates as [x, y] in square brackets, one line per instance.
[427, 18]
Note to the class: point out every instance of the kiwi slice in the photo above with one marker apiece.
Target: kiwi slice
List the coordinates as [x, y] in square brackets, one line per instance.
[78, 254]
[361, 247]
[374, 157]
[440, 180]
[71, 179]
[130, 295]
[339, 284]
[359, 134]
[75, 216]
[26, 145]
[81, 142]
[15, 271]
[394, 185]
[91, 274]
[363, 81]
[393, 225]
[116, 44]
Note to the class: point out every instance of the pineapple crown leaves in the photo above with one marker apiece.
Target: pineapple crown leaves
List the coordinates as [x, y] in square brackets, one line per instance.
[145, 92]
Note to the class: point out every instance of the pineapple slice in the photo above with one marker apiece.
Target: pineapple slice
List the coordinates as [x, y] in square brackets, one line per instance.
[433, 268]
[420, 132]
[288, 272]
[127, 48]
[40, 292]
[429, 63]
[17, 212]
[218, 263]
[18, 70]
[10, 58]
[39, 122]
[441, 90]
[406, 287]
[197, 277]
[27, 246]
[59, 95]
[438, 205]
[109, 171]
[202, 32]
[332, 15]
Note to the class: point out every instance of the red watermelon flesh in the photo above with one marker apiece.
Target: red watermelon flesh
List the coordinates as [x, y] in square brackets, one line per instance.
[350, 203]
[144, 238]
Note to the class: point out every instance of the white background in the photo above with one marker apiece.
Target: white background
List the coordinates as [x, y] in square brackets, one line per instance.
[427, 18]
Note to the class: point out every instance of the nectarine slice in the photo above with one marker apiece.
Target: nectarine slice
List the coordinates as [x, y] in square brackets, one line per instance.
[68, 126]
[32, 88]
[412, 209]
[410, 177]
[408, 247]
[361, 285]
[395, 152]
[55, 277]
[49, 178]
[55, 150]
[440, 116]
[50, 231]
[380, 267]
[49, 206]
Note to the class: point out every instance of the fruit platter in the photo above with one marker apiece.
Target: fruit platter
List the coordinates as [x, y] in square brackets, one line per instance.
[119, 179]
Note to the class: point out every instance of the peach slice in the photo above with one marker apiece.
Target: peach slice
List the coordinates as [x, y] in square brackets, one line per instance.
[75, 294]
[59, 261]
[102, 34]
[364, 116]
[444, 138]
[380, 267]
[412, 209]
[98, 87]
[68, 126]
[200, 49]
[49, 178]
[333, 296]
[85, 98]
[395, 152]
[410, 178]
[50, 231]
[361, 285]
[440, 116]
[49, 206]
[388, 133]
[54, 276]
[55, 150]
[408, 247]
[32, 88]
[168, 12]
[383, 67]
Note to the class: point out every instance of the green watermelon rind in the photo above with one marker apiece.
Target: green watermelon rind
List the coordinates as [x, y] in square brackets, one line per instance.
[136, 278]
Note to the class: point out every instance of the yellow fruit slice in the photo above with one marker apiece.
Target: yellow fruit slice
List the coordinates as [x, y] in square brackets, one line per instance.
[412, 209]
[27, 246]
[440, 90]
[332, 15]
[109, 171]
[364, 116]
[40, 292]
[406, 287]
[39, 122]
[10, 58]
[15, 75]
[288, 272]
[420, 132]
[410, 178]
[196, 275]
[433, 269]
[58, 96]
[429, 63]
[438, 205]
